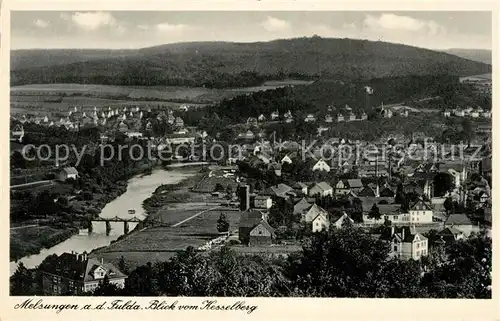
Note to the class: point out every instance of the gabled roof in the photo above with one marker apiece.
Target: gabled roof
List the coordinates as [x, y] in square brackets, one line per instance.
[367, 202]
[70, 170]
[278, 190]
[322, 185]
[301, 206]
[355, 183]
[420, 205]
[250, 219]
[69, 266]
[266, 226]
[299, 185]
[367, 191]
[452, 230]
[316, 210]
[458, 219]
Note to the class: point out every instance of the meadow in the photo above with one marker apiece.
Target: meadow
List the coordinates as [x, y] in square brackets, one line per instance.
[161, 243]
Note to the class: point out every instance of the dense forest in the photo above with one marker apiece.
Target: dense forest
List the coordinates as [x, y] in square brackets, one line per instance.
[223, 64]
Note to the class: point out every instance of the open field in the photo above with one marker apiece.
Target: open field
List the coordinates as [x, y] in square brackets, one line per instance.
[273, 84]
[161, 243]
[207, 184]
[47, 95]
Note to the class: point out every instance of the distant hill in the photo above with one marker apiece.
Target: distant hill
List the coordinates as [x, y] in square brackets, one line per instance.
[228, 64]
[480, 55]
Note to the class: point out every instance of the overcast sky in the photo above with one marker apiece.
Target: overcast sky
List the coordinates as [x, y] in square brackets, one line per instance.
[120, 29]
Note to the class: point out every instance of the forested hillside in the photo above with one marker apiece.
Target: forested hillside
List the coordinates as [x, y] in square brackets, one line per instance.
[221, 64]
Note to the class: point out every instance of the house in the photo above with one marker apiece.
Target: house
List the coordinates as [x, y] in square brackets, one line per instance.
[280, 190]
[179, 123]
[300, 188]
[252, 121]
[310, 118]
[328, 119]
[408, 244]
[486, 114]
[355, 185]
[286, 159]
[263, 202]
[364, 116]
[421, 212]
[455, 169]
[321, 165]
[312, 213]
[177, 139]
[75, 274]
[275, 115]
[461, 222]
[339, 221]
[322, 189]
[320, 223]
[342, 188]
[340, 118]
[262, 118]
[253, 229]
[17, 134]
[451, 234]
[246, 136]
[67, 173]
[459, 112]
[352, 116]
[262, 234]
[301, 206]
[474, 114]
[447, 113]
[122, 127]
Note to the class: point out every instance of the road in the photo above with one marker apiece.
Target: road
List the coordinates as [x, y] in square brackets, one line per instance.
[24, 226]
[195, 215]
[41, 183]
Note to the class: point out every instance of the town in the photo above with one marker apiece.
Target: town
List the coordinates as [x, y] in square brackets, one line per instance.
[306, 186]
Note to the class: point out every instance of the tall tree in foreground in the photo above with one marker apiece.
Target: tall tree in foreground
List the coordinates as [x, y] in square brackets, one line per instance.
[344, 263]
[21, 282]
[222, 223]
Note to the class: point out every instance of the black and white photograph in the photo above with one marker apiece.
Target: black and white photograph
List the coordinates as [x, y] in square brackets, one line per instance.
[283, 154]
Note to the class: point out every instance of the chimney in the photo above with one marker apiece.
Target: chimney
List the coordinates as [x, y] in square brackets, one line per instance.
[102, 260]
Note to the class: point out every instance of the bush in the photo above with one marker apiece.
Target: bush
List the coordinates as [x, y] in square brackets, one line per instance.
[87, 196]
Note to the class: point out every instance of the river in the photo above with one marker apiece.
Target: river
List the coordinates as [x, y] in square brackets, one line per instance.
[138, 189]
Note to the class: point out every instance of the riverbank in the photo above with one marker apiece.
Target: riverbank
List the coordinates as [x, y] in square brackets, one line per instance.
[68, 220]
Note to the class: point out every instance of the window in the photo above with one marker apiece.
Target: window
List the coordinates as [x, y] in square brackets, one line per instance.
[260, 232]
[395, 247]
[418, 245]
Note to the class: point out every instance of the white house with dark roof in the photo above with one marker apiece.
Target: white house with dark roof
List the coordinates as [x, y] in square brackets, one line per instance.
[408, 244]
[67, 173]
[75, 274]
[320, 223]
[421, 212]
[338, 221]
